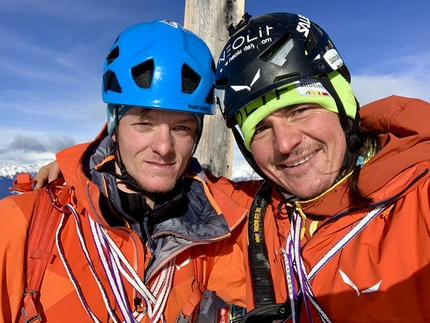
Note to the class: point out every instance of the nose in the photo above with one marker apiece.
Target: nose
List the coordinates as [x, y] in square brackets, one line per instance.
[285, 137]
[162, 141]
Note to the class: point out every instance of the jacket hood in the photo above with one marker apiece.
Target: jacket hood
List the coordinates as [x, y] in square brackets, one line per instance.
[71, 161]
[402, 126]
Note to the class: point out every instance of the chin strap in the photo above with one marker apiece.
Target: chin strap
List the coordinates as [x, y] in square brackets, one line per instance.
[352, 140]
[246, 153]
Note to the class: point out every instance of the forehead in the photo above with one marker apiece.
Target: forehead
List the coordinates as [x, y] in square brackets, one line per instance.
[161, 114]
[291, 108]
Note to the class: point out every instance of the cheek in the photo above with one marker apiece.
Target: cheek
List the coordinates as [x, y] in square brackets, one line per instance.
[260, 152]
[341, 146]
[131, 143]
[185, 146]
[329, 130]
[337, 143]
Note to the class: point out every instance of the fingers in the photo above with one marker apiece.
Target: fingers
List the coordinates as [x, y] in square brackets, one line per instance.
[46, 174]
[54, 171]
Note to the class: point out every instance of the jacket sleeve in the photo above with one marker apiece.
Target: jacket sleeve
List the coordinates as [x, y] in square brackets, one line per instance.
[15, 212]
[228, 276]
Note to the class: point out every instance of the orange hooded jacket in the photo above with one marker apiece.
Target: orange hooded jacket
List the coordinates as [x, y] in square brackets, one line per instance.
[177, 244]
[381, 274]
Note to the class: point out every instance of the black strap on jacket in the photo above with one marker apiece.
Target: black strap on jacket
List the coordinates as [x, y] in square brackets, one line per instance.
[266, 309]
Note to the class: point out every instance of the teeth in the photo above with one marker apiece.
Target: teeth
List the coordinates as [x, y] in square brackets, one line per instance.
[300, 161]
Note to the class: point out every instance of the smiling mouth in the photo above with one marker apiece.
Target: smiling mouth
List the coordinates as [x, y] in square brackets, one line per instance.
[300, 161]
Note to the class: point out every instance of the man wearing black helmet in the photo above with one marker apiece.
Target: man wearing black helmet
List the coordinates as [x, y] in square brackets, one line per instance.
[136, 229]
[339, 230]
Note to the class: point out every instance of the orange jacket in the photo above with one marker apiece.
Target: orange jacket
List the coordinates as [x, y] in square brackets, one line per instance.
[58, 296]
[381, 274]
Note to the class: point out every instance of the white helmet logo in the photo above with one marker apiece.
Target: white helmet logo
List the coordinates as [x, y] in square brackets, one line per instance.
[333, 59]
[238, 88]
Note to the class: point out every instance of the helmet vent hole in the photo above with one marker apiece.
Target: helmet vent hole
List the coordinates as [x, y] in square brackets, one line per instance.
[278, 52]
[143, 73]
[289, 76]
[210, 99]
[190, 79]
[311, 42]
[110, 82]
[113, 55]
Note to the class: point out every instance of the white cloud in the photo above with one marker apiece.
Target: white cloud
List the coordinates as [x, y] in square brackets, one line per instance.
[33, 145]
[368, 88]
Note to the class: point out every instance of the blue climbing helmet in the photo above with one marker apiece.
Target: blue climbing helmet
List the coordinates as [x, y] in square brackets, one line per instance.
[159, 65]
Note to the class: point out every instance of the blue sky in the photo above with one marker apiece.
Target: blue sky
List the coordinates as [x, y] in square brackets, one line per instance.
[52, 54]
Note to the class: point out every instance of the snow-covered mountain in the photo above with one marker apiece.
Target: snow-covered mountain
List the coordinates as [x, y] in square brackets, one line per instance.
[243, 172]
[10, 170]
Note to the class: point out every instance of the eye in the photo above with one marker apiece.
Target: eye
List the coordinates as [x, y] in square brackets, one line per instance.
[300, 110]
[143, 124]
[182, 128]
[186, 129]
[260, 128]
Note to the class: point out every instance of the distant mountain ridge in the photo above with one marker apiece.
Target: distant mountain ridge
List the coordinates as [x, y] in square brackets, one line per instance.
[9, 171]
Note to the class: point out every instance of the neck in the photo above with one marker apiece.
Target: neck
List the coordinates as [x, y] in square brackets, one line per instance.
[126, 188]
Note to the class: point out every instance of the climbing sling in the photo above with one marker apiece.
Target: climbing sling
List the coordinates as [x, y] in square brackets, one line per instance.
[50, 208]
[46, 216]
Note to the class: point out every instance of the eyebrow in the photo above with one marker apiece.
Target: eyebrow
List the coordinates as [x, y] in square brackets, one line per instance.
[145, 113]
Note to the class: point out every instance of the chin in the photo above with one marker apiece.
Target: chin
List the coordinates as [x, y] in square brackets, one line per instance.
[158, 188]
[310, 194]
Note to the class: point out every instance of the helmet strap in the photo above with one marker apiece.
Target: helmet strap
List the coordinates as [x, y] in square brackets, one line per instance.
[117, 152]
[350, 129]
[200, 123]
[245, 152]
[124, 176]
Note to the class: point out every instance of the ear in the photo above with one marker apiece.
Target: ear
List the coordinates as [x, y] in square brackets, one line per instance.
[114, 136]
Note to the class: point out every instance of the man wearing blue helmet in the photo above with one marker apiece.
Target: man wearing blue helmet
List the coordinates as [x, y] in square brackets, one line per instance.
[138, 228]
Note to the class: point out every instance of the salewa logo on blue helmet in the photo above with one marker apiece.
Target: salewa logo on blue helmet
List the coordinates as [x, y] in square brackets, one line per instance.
[202, 108]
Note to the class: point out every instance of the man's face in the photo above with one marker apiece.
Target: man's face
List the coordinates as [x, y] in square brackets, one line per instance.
[300, 148]
[155, 146]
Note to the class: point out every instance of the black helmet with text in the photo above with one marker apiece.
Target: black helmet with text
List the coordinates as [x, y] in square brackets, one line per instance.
[274, 50]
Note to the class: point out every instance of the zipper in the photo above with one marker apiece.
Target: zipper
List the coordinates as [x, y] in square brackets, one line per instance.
[130, 234]
[165, 261]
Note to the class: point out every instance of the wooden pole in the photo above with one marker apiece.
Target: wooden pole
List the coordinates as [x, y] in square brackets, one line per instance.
[209, 19]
